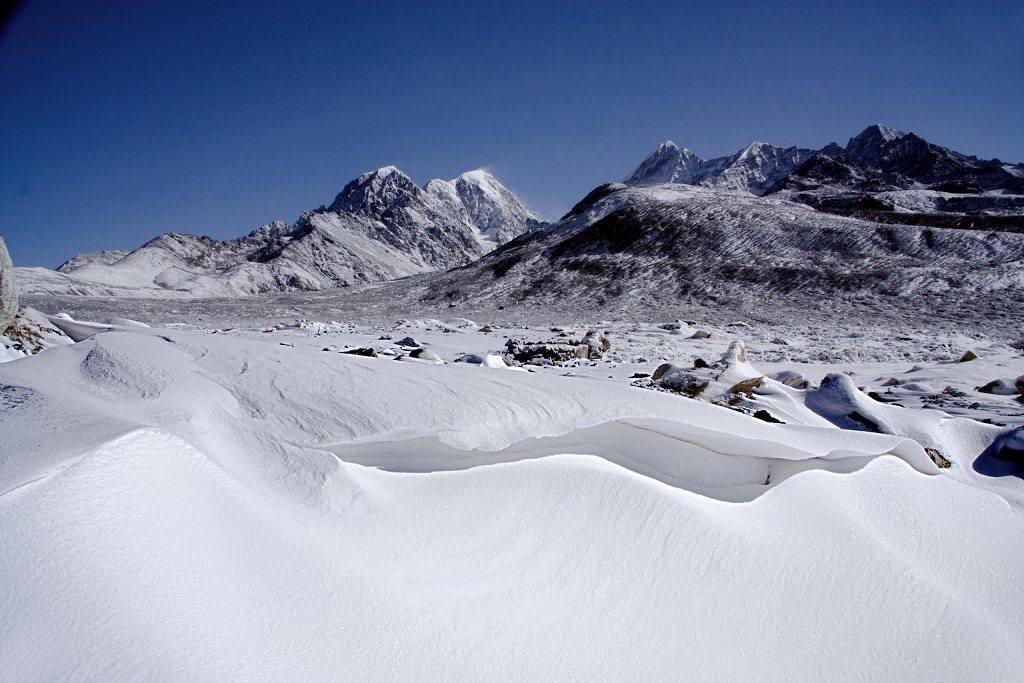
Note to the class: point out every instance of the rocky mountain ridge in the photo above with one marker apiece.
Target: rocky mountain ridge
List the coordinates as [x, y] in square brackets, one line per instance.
[880, 172]
[381, 226]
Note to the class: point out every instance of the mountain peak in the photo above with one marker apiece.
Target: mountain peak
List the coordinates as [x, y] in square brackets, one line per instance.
[754, 149]
[879, 132]
[369, 193]
[667, 164]
[477, 177]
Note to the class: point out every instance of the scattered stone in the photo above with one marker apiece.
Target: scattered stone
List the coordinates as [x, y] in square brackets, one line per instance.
[598, 343]
[999, 387]
[366, 351]
[1019, 384]
[969, 356]
[700, 363]
[700, 334]
[487, 328]
[640, 375]
[1010, 446]
[425, 354]
[767, 417]
[747, 386]
[554, 353]
[408, 342]
[791, 379]
[891, 382]
[660, 371]
[679, 380]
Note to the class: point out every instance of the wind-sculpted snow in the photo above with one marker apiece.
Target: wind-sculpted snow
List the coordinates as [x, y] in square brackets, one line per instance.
[178, 504]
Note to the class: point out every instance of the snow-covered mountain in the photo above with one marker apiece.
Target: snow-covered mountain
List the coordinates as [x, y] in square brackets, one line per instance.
[755, 169]
[880, 171]
[626, 247]
[381, 226]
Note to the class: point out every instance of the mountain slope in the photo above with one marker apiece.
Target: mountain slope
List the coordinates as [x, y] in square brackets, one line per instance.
[627, 246]
[381, 226]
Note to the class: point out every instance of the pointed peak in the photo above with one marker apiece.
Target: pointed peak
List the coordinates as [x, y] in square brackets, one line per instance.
[385, 186]
[668, 145]
[880, 131]
[384, 172]
[477, 176]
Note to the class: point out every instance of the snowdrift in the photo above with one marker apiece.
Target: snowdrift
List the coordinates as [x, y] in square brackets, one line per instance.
[200, 506]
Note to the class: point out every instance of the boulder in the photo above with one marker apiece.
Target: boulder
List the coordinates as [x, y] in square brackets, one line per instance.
[598, 343]
[367, 351]
[1000, 387]
[8, 291]
[791, 379]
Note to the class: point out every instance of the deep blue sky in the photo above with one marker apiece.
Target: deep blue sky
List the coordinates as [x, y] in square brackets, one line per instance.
[122, 120]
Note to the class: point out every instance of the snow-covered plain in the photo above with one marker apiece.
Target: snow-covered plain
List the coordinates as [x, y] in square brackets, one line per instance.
[192, 502]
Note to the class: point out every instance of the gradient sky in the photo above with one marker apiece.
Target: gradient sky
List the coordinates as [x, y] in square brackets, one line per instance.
[122, 120]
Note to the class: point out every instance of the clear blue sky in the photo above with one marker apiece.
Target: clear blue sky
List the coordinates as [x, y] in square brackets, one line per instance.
[122, 120]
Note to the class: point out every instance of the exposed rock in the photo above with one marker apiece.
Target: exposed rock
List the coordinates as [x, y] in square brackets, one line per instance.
[8, 290]
[369, 352]
[1000, 387]
[937, 458]
[551, 353]
[747, 386]
[598, 343]
[700, 363]
[700, 334]
[1019, 384]
[791, 379]
[736, 353]
[425, 354]
[680, 380]
[970, 355]
[767, 417]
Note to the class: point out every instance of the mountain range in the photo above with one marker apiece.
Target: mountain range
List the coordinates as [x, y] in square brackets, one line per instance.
[882, 174]
[381, 226]
[887, 214]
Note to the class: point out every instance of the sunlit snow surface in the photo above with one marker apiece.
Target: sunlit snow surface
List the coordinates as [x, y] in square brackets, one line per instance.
[185, 503]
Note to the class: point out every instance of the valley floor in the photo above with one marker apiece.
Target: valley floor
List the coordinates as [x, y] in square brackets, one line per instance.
[229, 495]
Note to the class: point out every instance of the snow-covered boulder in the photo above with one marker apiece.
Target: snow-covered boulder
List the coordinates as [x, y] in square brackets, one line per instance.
[8, 291]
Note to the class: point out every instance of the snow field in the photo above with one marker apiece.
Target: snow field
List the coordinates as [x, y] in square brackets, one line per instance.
[184, 505]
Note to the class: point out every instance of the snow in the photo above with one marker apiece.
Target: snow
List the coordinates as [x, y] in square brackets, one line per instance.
[191, 502]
